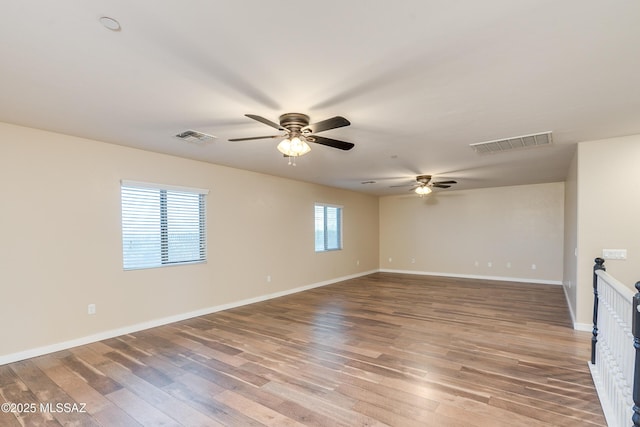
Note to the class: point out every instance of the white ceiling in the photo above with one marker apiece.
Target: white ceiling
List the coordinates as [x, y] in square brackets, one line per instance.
[419, 80]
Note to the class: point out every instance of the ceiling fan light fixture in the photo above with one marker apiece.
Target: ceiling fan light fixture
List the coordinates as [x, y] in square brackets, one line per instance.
[293, 147]
[422, 190]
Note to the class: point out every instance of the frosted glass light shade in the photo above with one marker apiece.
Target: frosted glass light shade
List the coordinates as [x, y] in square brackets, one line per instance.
[422, 190]
[293, 147]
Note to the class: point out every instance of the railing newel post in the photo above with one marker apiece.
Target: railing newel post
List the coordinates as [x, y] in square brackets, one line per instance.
[635, 330]
[594, 339]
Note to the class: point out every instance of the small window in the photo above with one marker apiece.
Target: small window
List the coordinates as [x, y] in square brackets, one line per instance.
[162, 225]
[328, 226]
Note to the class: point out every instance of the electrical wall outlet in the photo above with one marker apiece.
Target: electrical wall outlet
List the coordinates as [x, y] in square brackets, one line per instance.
[91, 309]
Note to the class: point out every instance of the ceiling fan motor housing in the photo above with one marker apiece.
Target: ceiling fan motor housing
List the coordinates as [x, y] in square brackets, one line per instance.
[294, 122]
[423, 179]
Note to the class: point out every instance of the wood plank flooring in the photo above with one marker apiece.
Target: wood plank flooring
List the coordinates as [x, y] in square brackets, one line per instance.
[384, 349]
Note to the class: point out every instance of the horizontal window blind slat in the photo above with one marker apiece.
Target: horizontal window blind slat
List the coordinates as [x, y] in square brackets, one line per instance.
[140, 185]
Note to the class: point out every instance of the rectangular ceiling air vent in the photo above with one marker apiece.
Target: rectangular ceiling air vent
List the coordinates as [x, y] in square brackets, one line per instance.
[499, 145]
[195, 136]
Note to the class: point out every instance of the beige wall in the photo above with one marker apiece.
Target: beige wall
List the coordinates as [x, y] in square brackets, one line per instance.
[61, 239]
[448, 232]
[608, 189]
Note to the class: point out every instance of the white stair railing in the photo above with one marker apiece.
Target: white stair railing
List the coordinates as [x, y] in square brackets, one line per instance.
[612, 352]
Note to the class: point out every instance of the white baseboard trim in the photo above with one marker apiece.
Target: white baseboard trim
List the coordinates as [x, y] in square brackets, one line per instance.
[39, 351]
[475, 276]
[584, 327]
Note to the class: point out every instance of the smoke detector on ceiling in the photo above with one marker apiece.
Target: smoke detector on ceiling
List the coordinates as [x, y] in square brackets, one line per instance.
[195, 136]
[110, 23]
[525, 141]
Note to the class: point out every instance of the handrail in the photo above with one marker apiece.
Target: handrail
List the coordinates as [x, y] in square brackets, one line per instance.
[617, 285]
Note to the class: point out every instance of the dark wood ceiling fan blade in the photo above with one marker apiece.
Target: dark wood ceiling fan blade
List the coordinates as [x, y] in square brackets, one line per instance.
[257, 137]
[332, 123]
[265, 121]
[341, 145]
[446, 182]
[439, 185]
[404, 185]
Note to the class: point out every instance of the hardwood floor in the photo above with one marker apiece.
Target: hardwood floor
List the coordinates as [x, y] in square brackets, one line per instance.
[384, 349]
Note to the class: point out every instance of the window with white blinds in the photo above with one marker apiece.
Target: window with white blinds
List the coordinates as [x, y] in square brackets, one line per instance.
[162, 225]
[328, 227]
